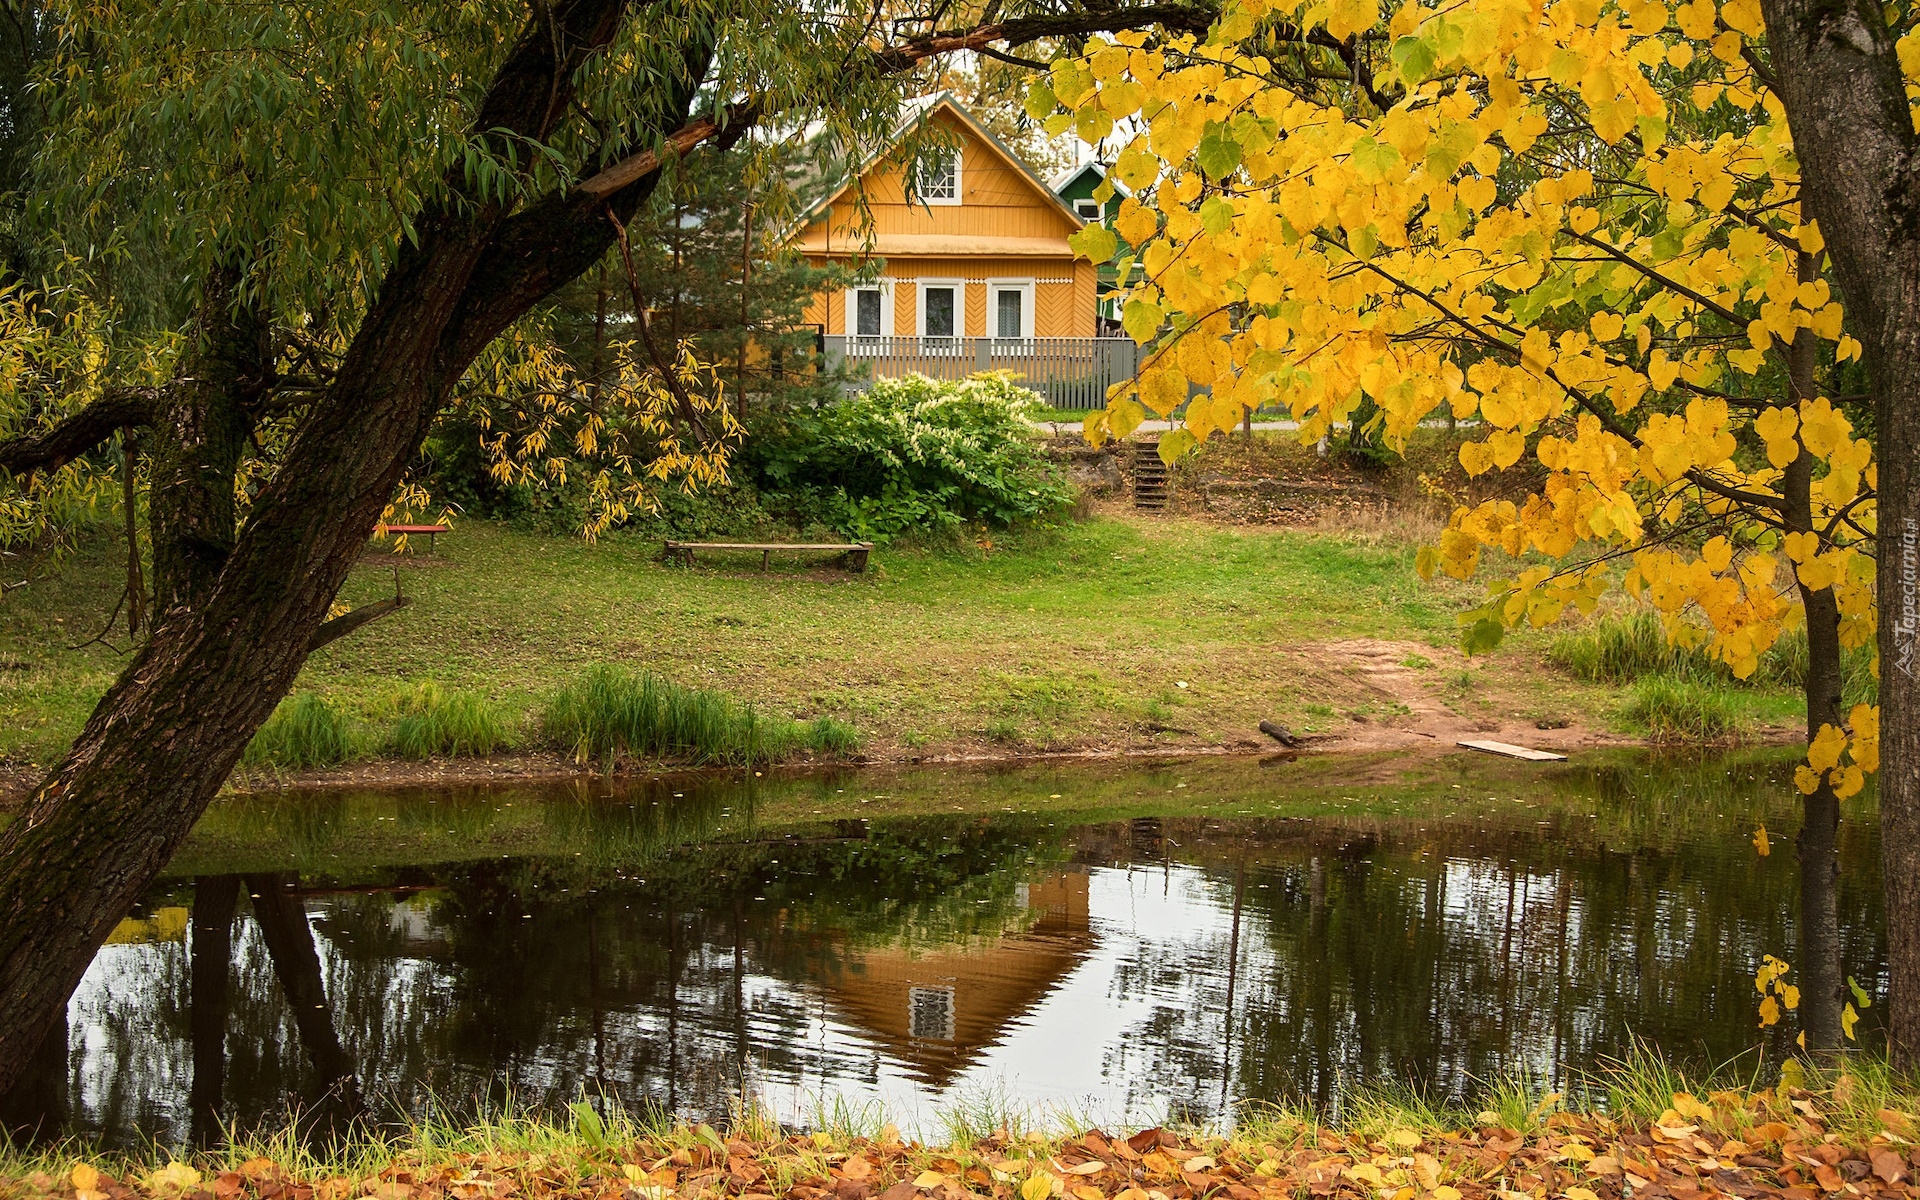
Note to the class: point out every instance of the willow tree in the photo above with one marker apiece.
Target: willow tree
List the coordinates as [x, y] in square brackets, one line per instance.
[367, 202]
[1578, 223]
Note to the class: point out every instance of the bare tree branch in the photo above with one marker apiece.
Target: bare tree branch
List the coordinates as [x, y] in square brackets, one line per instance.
[338, 627]
[53, 448]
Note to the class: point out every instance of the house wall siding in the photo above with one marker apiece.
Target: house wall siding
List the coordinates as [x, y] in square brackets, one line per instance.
[1064, 293]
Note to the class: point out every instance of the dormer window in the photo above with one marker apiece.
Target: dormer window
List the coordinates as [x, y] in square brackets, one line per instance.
[1087, 210]
[940, 176]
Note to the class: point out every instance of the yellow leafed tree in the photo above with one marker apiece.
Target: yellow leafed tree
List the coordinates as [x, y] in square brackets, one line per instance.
[1573, 224]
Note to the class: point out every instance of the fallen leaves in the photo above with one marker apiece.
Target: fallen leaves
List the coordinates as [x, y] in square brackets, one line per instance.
[1694, 1152]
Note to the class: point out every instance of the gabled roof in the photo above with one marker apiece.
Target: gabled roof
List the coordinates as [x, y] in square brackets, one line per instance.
[915, 112]
[1066, 179]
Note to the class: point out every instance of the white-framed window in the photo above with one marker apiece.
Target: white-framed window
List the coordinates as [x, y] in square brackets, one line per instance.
[1010, 315]
[1087, 210]
[869, 316]
[942, 315]
[939, 179]
[930, 1014]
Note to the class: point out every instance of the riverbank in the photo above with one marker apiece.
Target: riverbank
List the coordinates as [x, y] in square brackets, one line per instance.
[1118, 634]
[1649, 1134]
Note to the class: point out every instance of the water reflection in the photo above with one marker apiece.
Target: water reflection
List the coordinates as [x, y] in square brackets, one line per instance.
[329, 953]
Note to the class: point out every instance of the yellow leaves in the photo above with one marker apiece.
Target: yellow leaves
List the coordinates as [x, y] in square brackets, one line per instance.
[1777, 428]
[174, 1177]
[1696, 19]
[1662, 371]
[1136, 222]
[1823, 427]
[1717, 553]
[1162, 389]
[1038, 1186]
[1770, 982]
[1606, 326]
[1365, 1173]
[1824, 752]
[1347, 17]
[1762, 844]
[86, 1183]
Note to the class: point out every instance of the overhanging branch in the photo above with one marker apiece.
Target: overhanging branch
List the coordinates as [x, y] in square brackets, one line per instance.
[51, 449]
[338, 627]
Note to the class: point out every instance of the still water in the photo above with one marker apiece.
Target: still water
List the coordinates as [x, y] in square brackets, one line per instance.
[1129, 944]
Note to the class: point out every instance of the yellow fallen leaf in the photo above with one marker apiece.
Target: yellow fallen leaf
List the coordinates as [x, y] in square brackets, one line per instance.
[1580, 1193]
[1365, 1173]
[1606, 1164]
[929, 1179]
[1405, 1139]
[1087, 1168]
[175, 1176]
[1198, 1163]
[1087, 1191]
[85, 1178]
[1446, 1192]
[1037, 1187]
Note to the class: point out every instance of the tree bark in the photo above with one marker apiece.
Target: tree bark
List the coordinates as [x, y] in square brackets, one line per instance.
[1821, 980]
[202, 427]
[1841, 85]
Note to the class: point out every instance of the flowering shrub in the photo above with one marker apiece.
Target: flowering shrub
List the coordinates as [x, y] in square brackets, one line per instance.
[912, 455]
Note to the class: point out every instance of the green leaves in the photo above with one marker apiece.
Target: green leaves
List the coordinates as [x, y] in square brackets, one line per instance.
[1095, 242]
[1218, 154]
[1174, 443]
[1414, 58]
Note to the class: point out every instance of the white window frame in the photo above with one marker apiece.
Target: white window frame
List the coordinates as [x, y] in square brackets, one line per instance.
[952, 343]
[1082, 213]
[856, 342]
[959, 183]
[1027, 290]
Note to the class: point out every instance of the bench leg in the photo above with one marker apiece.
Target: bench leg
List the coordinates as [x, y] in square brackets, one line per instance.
[429, 545]
[766, 558]
[857, 561]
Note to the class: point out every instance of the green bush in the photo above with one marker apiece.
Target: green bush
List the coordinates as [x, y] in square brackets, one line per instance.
[610, 712]
[1671, 709]
[911, 455]
[304, 731]
[448, 724]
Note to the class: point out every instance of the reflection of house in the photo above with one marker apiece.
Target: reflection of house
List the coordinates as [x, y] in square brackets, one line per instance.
[976, 271]
[937, 1009]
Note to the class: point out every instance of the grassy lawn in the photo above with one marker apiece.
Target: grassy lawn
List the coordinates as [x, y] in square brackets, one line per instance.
[1118, 631]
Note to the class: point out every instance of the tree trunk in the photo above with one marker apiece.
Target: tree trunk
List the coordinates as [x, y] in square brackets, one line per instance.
[167, 733]
[210, 969]
[1821, 989]
[201, 431]
[1845, 98]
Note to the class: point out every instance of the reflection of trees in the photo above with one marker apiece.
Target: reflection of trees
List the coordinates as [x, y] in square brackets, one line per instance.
[1289, 957]
[1449, 956]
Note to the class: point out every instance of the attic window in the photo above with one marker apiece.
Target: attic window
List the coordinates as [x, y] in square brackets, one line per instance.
[1087, 210]
[940, 177]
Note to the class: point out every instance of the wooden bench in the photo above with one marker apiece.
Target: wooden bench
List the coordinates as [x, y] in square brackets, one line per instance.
[429, 530]
[853, 555]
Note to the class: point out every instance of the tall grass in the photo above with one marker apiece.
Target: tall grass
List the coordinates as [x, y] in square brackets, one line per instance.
[1677, 709]
[610, 712]
[1630, 648]
[448, 724]
[304, 731]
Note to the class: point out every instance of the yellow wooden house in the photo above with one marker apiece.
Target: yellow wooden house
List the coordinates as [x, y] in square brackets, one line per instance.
[974, 269]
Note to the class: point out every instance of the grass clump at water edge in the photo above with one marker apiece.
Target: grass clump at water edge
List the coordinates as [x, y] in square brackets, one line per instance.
[304, 731]
[432, 722]
[1682, 710]
[610, 712]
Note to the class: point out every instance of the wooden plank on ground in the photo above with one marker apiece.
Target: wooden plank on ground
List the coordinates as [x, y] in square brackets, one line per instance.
[1508, 750]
